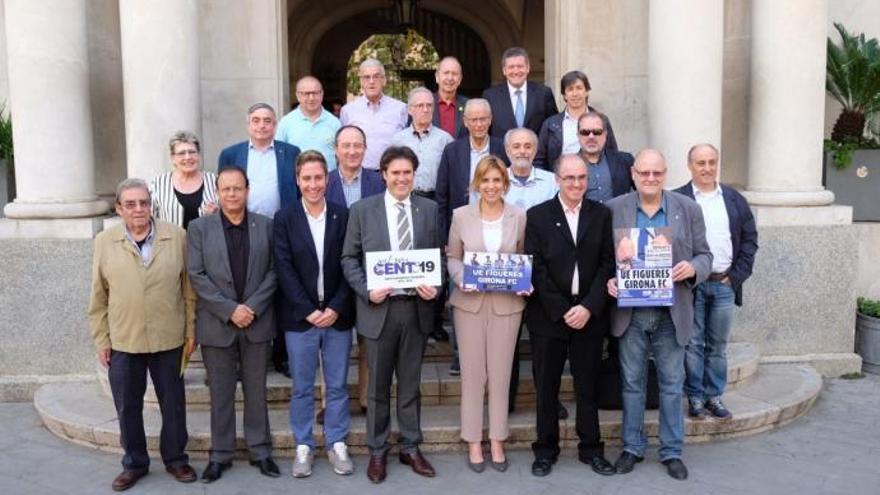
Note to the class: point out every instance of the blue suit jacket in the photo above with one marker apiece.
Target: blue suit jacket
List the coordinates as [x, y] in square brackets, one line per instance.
[540, 105]
[619, 164]
[550, 140]
[743, 235]
[453, 177]
[371, 183]
[285, 158]
[296, 266]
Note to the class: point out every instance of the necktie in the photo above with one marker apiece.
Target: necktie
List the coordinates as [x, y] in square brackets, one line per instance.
[520, 111]
[404, 235]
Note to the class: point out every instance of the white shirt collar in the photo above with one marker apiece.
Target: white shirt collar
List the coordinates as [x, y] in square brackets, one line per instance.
[565, 209]
[391, 201]
[513, 90]
[309, 215]
[699, 193]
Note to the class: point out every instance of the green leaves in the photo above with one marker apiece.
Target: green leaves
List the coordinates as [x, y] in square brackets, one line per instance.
[853, 79]
[6, 151]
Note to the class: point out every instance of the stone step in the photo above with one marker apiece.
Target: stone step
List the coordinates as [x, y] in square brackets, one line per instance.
[778, 394]
[438, 386]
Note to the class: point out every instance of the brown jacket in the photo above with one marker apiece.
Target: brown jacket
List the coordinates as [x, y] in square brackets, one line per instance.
[466, 234]
[136, 308]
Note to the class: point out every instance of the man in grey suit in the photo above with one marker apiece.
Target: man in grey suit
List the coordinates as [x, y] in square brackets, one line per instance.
[662, 331]
[229, 260]
[395, 323]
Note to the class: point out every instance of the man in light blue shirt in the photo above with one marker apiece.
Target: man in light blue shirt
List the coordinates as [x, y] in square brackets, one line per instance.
[425, 139]
[310, 126]
[528, 185]
[379, 115]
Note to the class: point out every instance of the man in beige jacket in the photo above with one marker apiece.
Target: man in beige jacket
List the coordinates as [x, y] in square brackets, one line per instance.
[142, 316]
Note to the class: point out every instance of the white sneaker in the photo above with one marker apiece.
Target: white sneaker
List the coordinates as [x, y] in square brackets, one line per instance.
[338, 457]
[302, 463]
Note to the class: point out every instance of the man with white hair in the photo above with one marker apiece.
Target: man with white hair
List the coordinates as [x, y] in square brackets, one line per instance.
[379, 115]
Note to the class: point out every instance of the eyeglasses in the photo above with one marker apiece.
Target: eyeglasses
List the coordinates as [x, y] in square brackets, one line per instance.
[650, 173]
[587, 132]
[186, 153]
[423, 106]
[571, 179]
[371, 77]
[309, 94]
[131, 205]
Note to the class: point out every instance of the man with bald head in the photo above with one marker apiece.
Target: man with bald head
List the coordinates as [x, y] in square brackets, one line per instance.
[425, 139]
[663, 330]
[733, 239]
[449, 105]
[310, 126]
[377, 114]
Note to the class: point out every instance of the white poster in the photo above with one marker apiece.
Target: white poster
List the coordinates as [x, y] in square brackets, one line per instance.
[403, 269]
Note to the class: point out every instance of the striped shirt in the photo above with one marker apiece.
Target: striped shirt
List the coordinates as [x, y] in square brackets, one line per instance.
[165, 204]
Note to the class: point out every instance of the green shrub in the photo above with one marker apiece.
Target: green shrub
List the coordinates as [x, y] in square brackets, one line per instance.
[868, 307]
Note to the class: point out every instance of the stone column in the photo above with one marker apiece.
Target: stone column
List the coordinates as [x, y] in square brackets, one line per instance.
[787, 105]
[48, 62]
[685, 70]
[160, 71]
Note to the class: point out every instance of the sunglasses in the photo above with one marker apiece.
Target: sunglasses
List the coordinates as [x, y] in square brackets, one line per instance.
[587, 132]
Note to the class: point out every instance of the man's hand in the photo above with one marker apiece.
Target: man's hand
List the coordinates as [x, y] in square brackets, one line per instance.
[314, 317]
[683, 270]
[377, 296]
[426, 292]
[577, 317]
[526, 293]
[190, 346]
[612, 287]
[209, 207]
[242, 317]
[327, 318]
[104, 357]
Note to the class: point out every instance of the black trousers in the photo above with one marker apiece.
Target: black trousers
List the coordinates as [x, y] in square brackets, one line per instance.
[128, 383]
[584, 352]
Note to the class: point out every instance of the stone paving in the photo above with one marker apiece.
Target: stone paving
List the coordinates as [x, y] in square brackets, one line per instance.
[834, 449]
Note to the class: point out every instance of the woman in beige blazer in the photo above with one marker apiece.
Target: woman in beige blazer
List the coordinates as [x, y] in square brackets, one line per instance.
[486, 323]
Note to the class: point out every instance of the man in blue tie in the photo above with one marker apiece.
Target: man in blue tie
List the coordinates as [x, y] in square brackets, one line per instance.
[518, 102]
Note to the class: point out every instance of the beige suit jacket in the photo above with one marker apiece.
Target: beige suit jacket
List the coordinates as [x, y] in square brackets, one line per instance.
[466, 234]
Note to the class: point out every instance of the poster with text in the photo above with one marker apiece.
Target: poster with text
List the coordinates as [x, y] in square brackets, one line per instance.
[497, 272]
[403, 269]
[644, 267]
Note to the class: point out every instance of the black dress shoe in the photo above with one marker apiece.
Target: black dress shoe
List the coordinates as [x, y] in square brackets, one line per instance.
[214, 470]
[183, 474]
[676, 469]
[563, 412]
[542, 467]
[267, 467]
[599, 464]
[626, 462]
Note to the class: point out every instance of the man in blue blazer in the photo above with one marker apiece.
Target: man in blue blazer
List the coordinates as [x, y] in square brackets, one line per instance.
[271, 163]
[733, 239]
[460, 158]
[518, 102]
[317, 314]
[350, 181]
[269, 167]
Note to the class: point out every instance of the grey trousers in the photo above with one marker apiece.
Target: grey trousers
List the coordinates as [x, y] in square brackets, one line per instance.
[222, 364]
[398, 350]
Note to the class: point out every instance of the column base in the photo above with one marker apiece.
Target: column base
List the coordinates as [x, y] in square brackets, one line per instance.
[818, 197]
[787, 216]
[56, 228]
[40, 210]
[831, 365]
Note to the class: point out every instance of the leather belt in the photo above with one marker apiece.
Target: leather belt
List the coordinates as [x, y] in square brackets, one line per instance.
[717, 277]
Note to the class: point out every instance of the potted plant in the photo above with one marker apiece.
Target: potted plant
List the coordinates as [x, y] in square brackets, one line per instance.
[7, 159]
[868, 334]
[852, 160]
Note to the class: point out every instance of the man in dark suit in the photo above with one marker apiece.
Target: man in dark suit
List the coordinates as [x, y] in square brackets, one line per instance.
[317, 315]
[733, 239]
[448, 104]
[661, 330]
[229, 260]
[460, 158]
[518, 102]
[570, 238]
[396, 323]
[350, 181]
[269, 167]
[608, 169]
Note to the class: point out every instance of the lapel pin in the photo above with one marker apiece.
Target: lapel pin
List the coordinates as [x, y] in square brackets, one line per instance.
[558, 224]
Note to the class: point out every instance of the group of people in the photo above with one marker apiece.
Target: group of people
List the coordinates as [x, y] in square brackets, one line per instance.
[267, 258]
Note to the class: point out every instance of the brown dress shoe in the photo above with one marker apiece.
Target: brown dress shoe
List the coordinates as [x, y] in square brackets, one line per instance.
[376, 469]
[183, 474]
[127, 479]
[418, 463]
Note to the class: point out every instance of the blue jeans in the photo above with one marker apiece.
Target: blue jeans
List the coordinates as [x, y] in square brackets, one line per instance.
[303, 348]
[651, 331]
[706, 359]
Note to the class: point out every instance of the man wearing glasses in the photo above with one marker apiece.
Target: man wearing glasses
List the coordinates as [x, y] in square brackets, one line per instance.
[310, 126]
[379, 115]
[608, 169]
[662, 330]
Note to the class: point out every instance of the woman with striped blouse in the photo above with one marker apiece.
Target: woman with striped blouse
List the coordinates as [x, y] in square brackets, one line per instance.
[186, 192]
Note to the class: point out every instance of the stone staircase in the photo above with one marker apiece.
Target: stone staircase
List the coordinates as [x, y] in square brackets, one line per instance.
[761, 397]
